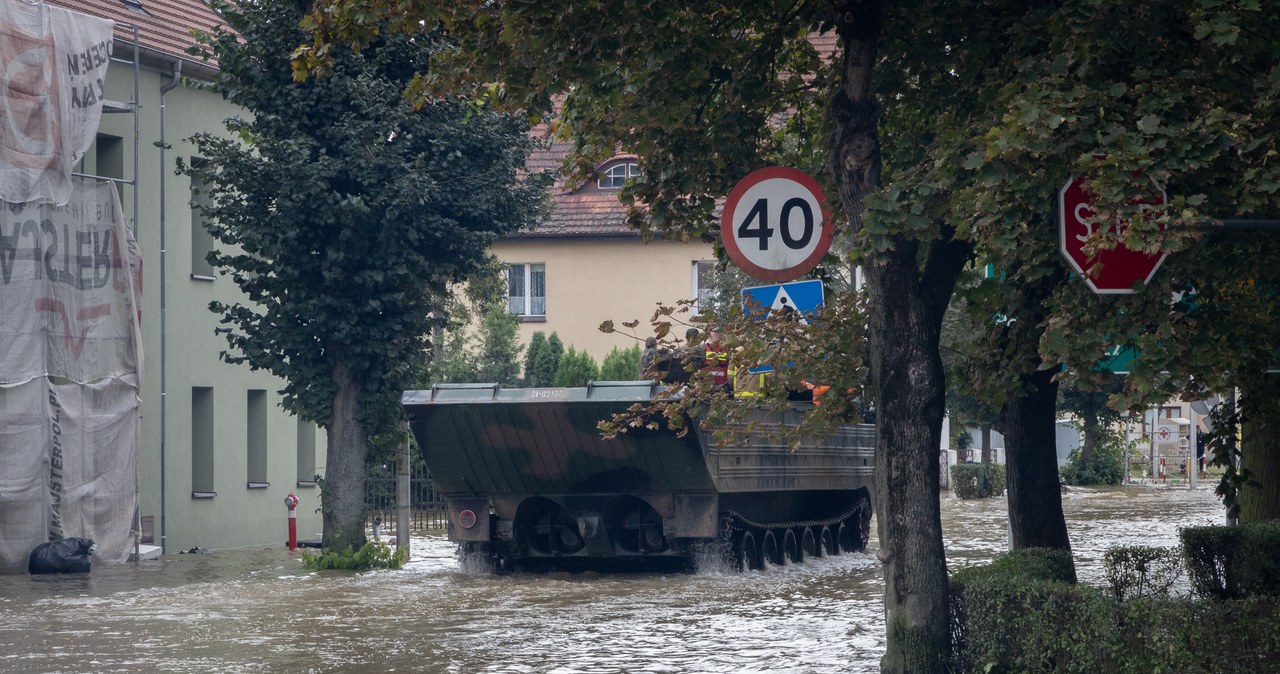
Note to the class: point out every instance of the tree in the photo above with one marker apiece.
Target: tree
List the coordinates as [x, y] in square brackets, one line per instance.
[479, 342]
[621, 364]
[537, 342]
[576, 369]
[542, 360]
[344, 214]
[1195, 113]
[1091, 408]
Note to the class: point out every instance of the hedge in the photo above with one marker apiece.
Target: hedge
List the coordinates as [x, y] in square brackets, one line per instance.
[1232, 562]
[1017, 615]
[967, 480]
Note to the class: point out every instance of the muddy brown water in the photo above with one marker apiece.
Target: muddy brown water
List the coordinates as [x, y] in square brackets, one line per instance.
[260, 610]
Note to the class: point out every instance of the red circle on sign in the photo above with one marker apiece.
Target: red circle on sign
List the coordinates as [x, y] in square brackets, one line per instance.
[467, 519]
[750, 200]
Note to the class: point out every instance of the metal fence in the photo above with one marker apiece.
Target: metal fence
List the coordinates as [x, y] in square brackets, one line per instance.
[426, 506]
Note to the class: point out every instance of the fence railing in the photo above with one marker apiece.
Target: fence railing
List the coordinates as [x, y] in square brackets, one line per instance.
[426, 506]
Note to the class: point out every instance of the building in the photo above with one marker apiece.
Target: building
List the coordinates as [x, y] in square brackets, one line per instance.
[585, 266]
[218, 454]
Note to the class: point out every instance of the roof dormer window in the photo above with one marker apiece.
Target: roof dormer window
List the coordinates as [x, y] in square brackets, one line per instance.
[614, 176]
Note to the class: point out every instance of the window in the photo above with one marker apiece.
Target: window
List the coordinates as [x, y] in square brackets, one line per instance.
[256, 439]
[306, 454]
[110, 160]
[202, 442]
[702, 271]
[527, 289]
[613, 178]
[201, 239]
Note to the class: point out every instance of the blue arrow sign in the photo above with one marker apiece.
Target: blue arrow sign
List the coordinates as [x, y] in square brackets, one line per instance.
[803, 297]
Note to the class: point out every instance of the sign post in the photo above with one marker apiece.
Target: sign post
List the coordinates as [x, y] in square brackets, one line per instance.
[775, 224]
[1107, 272]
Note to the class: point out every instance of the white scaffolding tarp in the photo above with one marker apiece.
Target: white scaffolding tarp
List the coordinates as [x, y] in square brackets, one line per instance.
[53, 66]
[70, 297]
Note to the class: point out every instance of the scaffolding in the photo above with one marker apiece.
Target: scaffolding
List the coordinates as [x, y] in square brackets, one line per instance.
[126, 107]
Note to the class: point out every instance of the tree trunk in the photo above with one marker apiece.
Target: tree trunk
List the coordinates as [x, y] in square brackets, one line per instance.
[1260, 451]
[1035, 498]
[906, 373]
[986, 444]
[906, 308]
[1090, 436]
[344, 475]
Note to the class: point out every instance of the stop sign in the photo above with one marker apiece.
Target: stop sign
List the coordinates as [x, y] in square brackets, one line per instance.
[1107, 272]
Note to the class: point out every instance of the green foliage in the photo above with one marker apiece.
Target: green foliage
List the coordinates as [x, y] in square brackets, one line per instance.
[537, 343]
[497, 348]
[1016, 625]
[542, 360]
[1106, 465]
[1105, 468]
[1018, 615]
[369, 556]
[1140, 571]
[576, 369]
[620, 364]
[345, 213]
[977, 480]
[1029, 564]
[1233, 562]
[480, 341]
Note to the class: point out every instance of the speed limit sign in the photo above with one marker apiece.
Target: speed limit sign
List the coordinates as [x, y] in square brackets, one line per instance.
[775, 224]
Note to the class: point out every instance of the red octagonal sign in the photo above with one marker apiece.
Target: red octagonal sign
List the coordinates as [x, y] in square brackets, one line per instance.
[1107, 272]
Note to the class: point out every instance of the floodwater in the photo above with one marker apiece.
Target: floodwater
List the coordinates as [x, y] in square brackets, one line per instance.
[262, 611]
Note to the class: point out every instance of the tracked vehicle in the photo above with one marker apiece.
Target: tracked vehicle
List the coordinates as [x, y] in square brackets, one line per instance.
[529, 483]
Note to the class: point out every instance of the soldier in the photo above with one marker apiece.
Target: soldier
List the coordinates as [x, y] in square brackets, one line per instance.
[715, 358]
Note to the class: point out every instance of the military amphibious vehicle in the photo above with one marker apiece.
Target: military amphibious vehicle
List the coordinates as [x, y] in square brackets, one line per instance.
[530, 483]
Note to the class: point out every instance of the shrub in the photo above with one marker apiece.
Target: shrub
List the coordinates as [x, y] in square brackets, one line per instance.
[1100, 470]
[977, 480]
[542, 360]
[1106, 462]
[576, 369]
[1140, 571]
[1233, 562]
[1011, 616]
[621, 364]
[370, 556]
[1046, 564]
[533, 351]
[496, 349]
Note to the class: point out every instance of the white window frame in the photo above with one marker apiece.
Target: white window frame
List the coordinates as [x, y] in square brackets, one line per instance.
[616, 175]
[528, 302]
[696, 289]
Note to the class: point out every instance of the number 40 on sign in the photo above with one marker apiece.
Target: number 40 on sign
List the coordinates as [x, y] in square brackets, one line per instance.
[775, 224]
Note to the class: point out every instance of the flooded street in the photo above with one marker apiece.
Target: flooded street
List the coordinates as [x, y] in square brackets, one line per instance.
[262, 611]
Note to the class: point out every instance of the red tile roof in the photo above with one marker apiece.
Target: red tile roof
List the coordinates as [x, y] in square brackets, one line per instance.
[576, 211]
[164, 26]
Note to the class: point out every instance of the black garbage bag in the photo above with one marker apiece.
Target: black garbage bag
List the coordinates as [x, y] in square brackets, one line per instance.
[69, 555]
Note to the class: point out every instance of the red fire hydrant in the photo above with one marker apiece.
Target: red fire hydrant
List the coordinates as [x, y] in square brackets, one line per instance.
[291, 502]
